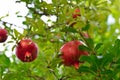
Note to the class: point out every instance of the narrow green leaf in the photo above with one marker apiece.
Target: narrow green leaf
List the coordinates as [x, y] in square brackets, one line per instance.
[10, 41]
[107, 59]
[69, 29]
[13, 47]
[86, 59]
[85, 69]
[86, 27]
[90, 42]
[98, 46]
[84, 48]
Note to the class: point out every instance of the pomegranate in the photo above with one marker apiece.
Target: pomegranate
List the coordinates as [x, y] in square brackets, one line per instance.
[3, 35]
[70, 53]
[26, 50]
[76, 13]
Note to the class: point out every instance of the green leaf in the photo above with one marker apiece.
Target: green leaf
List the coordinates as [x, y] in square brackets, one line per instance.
[90, 42]
[64, 1]
[4, 60]
[16, 33]
[92, 60]
[109, 74]
[86, 27]
[86, 59]
[116, 48]
[98, 46]
[13, 47]
[10, 41]
[118, 61]
[84, 48]
[25, 32]
[85, 69]
[107, 59]
[69, 29]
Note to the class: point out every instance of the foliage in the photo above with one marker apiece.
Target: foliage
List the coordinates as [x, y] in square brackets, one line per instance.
[103, 62]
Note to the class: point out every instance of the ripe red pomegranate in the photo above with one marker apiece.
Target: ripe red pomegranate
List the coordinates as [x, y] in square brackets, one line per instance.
[76, 13]
[26, 50]
[3, 35]
[71, 53]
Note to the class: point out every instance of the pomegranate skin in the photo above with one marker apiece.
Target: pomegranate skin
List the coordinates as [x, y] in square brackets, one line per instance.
[26, 50]
[76, 13]
[3, 35]
[71, 54]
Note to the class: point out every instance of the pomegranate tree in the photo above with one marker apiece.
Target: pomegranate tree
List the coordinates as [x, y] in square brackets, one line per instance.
[26, 50]
[70, 53]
